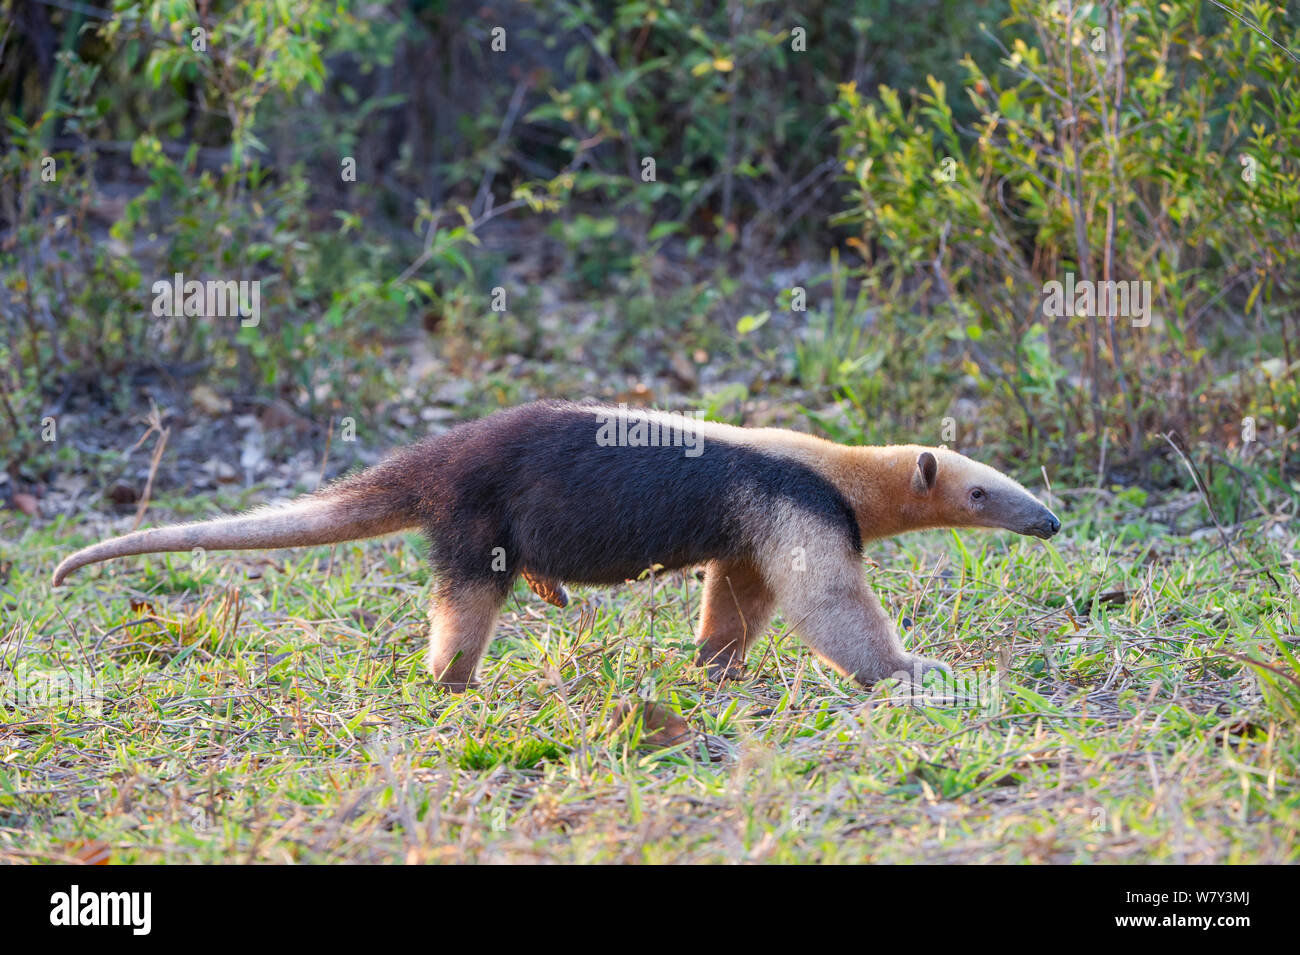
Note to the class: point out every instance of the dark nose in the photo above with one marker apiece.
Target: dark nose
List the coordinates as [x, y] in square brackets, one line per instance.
[1046, 526]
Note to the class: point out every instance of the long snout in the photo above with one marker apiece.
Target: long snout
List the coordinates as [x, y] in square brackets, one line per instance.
[1045, 524]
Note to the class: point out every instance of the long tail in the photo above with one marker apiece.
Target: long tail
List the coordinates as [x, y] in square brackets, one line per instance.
[360, 508]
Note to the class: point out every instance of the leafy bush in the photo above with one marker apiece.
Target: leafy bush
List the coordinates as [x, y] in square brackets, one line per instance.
[1127, 142]
[79, 311]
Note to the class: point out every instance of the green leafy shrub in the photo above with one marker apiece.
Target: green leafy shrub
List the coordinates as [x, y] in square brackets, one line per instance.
[78, 310]
[1115, 146]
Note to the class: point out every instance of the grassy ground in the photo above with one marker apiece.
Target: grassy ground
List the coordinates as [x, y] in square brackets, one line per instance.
[274, 708]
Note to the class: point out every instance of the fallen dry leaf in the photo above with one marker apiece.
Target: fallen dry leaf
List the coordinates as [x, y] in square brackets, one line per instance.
[663, 726]
[90, 853]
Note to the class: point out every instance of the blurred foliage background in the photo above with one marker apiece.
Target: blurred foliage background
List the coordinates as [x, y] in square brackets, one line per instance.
[853, 211]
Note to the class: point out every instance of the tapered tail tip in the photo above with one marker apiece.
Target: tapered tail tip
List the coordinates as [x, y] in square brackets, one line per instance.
[65, 567]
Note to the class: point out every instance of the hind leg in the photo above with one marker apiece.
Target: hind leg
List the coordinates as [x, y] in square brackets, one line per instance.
[736, 608]
[461, 622]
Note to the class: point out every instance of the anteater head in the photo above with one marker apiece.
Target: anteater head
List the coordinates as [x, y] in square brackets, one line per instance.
[951, 490]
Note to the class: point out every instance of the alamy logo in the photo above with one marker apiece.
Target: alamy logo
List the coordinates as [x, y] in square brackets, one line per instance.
[75, 907]
[978, 690]
[30, 687]
[211, 299]
[661, 429]
[1099, 299]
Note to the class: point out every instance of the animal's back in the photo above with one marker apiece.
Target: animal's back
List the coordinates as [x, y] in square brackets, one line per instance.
[539, 482]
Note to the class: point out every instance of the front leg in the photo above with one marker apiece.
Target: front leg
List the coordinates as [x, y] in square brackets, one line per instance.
[736, 608]
[840, 617]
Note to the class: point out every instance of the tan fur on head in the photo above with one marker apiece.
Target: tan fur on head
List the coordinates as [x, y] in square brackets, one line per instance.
[909, 487]
[965, 493]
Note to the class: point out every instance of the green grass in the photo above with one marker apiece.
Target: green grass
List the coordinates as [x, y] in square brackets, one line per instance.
[287, 717]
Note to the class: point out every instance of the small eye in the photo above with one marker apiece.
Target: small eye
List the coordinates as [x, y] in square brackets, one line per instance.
[977, 494]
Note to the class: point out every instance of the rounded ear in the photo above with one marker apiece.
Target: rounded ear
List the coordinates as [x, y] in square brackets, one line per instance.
[927, 472]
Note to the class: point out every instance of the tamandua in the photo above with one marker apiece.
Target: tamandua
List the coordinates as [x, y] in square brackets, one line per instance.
[560, 492]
